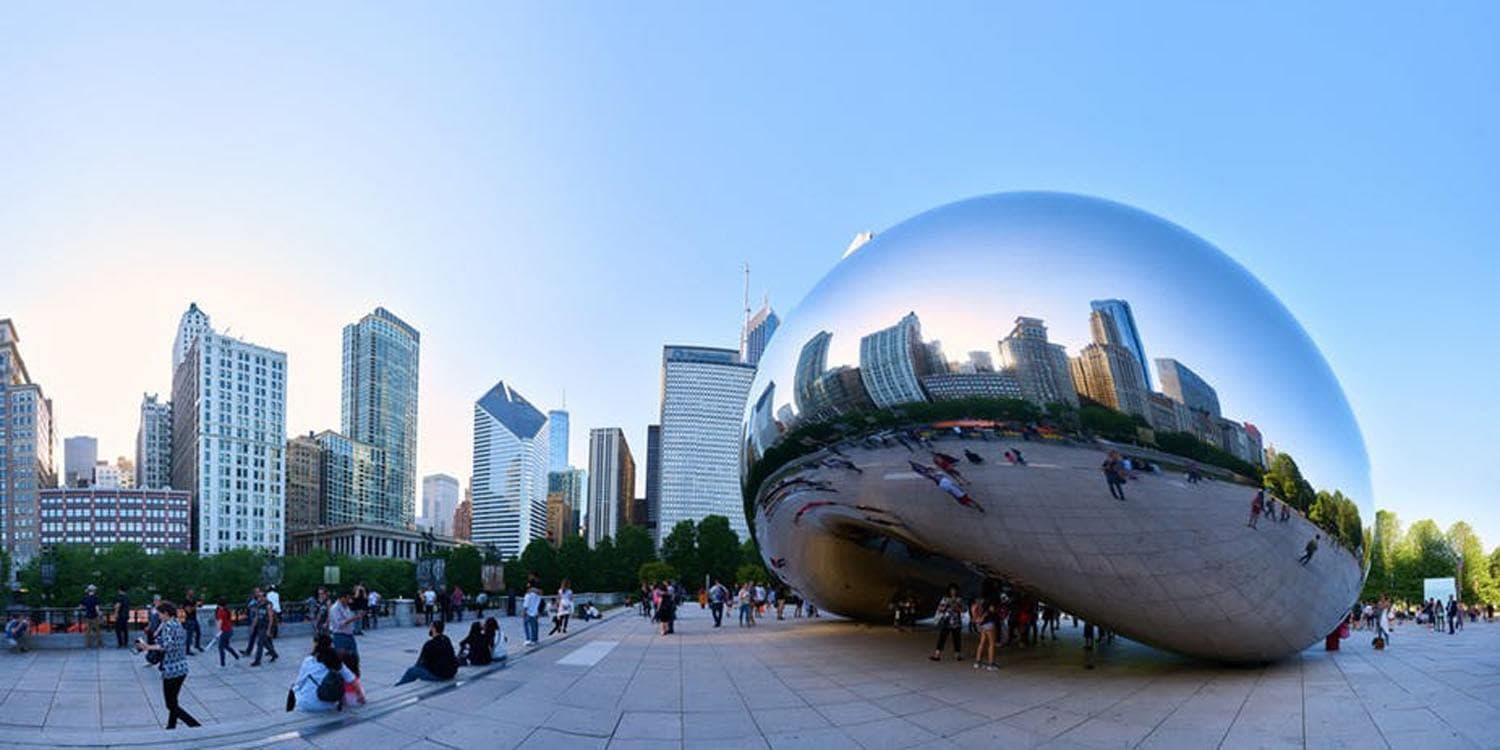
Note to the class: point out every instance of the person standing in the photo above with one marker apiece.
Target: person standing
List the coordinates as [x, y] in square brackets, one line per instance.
[458, 603]
[716, 596]
[225, 620]
[260, 629]
[341, 621]
[531, 606]
[747, 613]
[429, 603]
[190, 624]
[1257, 504]
[359, 599]
[374, 609]
[171, 641]
[564, 608]
[1114, 475]
[273, 598]
[90, 605]
[666, 612]
[122, 618]
[950, 622]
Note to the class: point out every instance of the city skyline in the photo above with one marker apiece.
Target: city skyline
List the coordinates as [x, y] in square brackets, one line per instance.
[233, 186]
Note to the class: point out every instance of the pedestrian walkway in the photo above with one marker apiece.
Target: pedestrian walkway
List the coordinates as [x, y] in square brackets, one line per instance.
[827, 683]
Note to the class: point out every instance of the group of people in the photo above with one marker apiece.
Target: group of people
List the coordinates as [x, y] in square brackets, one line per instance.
[997, 618]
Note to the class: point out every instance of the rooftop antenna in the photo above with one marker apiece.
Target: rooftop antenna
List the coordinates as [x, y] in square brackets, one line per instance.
[745, 329]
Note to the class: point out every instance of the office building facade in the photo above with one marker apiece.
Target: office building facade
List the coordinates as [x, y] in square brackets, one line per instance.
[611, 489]
[80, 455]
[153, 444]
[1108, 374]
[557, 439]
[1041, 367]
[439, 502]
[352, 482]
[703, 401]
[1184, 385]
[653, 476]
[304, 483]
[892, 362]
[229, 442]
[511, 453]
[101, 517]
[1113, 322]
[27, 445]
[758, 331]
[381, 358]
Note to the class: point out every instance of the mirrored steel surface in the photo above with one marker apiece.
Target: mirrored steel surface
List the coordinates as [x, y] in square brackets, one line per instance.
[1071, 397]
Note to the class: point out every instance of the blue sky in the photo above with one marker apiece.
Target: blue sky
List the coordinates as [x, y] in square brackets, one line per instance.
[550, 192]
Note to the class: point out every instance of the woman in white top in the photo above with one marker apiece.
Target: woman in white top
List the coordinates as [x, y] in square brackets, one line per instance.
[564, 608]
[314, 670]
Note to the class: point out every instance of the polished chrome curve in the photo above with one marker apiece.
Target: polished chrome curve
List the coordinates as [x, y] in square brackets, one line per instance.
[958, 398]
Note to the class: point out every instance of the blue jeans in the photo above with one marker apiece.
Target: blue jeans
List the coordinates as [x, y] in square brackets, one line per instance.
[344, 642]
[418, 673]
[529, 624]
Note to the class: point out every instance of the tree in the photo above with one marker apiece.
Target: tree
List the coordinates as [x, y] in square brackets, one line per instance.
[1284, 480]
[232, 575]
[1423, 553]
[608, 570]
[718, 550]
[1387, 536]
[1339, 516]
[575, 561]
[634, 548]
[752, 574]
[1476, 567]
[540, 559]
[680, 548]
[656, 571]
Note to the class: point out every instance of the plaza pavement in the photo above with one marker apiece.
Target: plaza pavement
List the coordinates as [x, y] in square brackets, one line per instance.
[833, 684]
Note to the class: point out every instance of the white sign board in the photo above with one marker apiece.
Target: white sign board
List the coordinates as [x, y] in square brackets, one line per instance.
[1438, 588]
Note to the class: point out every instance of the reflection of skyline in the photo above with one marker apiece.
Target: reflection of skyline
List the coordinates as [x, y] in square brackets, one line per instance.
[896, 366]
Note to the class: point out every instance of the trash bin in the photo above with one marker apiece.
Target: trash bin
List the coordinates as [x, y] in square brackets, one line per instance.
[510, 605]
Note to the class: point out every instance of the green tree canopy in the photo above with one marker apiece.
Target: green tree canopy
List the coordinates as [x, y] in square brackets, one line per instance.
[575, 561]
[1284, 480]
[656, 571]
[680, 548]
[719, 552]
[635, 547]
[539, 559]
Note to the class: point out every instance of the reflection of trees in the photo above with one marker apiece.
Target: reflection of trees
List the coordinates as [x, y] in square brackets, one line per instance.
[1331, 511]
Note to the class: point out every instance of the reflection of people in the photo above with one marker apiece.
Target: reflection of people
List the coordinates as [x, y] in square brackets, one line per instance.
[974, 458]
[1312, 547]
[947, 485]
[1256, 504]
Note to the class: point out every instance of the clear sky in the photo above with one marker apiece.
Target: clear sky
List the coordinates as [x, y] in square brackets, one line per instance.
[551, 191]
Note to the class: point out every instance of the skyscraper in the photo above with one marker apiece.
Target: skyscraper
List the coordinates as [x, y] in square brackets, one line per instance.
[126, 468]
[1184, 385]
[1039, 365]
[703, 399]
[611, 483]
[351, 481]
[80, 454]
[892, 362]
[379, 406]
[153, 444]
[1107, 374]
[229, 442]
[758, 331]
[510, 471]
[557, 439]
[653, 475]
[567, 492]
[1121, 331]
[304, 483]
[193, 323]
[463, 518]
[27, 444]
[439, 502]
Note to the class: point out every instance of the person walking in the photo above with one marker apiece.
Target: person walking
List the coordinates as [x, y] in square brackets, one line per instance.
[273, 598]
[531, 606]
[122, 618]
[950, 622]
[171, 641]
[90, 605]
[716, 596]
[989, 629]
[342, 620]
[747, 614]
[190, 622]
[437, 662]
[666, 612]
[260, 629]
[1257, 504]
[564, 608]
[1114, 475]
[225, 620]
[457, 603]
[1309, 550]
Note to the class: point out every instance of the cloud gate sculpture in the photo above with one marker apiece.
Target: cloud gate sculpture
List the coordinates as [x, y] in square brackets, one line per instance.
[1071, 401]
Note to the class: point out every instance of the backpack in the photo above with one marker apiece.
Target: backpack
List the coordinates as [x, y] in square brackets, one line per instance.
[331, 688]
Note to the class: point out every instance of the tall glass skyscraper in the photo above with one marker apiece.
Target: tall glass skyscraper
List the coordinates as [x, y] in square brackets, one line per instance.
[702, 401]
[557, 421]
[1121, 330]
[758, 331]
[510, 471]
[379, 407]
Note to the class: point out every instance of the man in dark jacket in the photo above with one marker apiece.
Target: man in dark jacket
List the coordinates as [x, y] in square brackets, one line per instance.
[437, 662]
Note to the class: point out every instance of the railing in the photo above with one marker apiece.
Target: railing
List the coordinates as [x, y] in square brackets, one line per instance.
[62, 620]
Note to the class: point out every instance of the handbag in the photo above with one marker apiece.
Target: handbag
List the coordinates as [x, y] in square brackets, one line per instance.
[291, 700]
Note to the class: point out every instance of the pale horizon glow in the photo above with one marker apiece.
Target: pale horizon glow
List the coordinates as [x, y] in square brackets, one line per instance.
[549, 193]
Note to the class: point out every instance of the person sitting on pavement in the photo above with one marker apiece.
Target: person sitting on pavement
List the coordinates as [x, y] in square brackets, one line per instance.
[475, 650]
[17, 631]
[437, 662]
[322, 680]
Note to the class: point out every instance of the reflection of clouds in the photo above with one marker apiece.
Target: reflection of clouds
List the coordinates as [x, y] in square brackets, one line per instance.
[968, 269]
